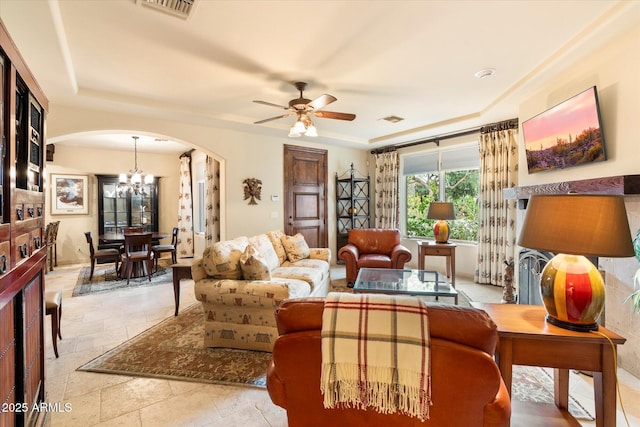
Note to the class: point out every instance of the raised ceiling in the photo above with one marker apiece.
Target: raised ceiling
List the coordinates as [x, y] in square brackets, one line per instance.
[410, 59]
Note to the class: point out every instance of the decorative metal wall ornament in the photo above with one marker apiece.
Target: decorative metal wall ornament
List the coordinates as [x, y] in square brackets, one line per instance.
[252, 190]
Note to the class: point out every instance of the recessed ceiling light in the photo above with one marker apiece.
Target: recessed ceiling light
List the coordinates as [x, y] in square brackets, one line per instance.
[485, 72]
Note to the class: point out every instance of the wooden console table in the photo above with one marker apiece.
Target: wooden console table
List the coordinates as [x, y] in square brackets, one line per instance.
[525, 338]
[439, 249]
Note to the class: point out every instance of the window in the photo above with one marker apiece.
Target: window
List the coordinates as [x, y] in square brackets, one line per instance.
[447, 174]
[199, 195]
[198, 225]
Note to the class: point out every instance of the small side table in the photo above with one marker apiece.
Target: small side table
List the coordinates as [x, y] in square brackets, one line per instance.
[525, 338]
[439, 249]
[181, 270]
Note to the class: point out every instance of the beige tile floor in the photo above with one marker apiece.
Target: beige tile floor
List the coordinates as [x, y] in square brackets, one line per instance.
[94, 324]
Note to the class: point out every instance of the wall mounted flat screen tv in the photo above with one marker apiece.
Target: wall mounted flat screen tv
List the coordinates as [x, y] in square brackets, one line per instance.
[569, 134]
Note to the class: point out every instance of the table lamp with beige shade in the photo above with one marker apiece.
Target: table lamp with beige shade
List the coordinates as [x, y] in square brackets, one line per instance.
[574, 226]
[441, 211]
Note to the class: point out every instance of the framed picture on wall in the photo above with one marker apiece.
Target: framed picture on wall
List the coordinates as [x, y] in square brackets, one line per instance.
[69, 195]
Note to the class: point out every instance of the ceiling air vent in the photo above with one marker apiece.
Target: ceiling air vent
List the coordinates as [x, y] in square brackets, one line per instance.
[180, 8]
[392, 119]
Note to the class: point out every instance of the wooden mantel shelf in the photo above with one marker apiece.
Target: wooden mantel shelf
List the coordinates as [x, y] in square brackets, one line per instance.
[623, 185]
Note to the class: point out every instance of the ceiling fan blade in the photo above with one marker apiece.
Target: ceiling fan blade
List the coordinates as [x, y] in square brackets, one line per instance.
[334, 115]
[322, 101]
[272, 118]
[271, 104]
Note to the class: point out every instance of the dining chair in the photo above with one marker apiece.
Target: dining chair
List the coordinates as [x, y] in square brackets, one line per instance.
[50, 237]
[137, 249]
[130, 230]
[158, 250]
[53, 308]
[101, 254]
[47, 234]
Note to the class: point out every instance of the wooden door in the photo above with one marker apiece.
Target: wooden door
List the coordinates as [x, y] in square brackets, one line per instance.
[305, 194]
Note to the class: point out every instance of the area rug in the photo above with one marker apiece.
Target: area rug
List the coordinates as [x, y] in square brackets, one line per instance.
[534, 384]
[105, 279]
[174, 350]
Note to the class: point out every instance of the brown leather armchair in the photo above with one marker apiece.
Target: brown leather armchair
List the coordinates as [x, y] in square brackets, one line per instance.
[467, 389]
[372, 248]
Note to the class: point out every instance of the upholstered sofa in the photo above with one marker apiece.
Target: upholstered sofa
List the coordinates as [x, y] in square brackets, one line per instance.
[240, 282]
[467, 389]
[372, 248]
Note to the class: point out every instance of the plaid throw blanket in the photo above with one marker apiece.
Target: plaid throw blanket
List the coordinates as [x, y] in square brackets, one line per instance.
[375, 353]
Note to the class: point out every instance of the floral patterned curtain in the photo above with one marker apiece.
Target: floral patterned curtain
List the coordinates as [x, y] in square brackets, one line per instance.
[185, 210]
[497, 217]
[386, 191]
[212, 201]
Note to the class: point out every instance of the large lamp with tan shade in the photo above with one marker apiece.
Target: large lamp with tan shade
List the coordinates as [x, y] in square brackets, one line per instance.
[574, 226]
[441, 211]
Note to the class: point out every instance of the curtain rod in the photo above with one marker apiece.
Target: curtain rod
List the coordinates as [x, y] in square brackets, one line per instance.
[507, 124]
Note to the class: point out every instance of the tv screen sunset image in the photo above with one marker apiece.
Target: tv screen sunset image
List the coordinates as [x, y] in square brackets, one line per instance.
[566, 135]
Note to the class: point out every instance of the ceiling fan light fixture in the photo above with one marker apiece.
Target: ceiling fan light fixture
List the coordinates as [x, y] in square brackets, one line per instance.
[311, 131]
[293, 133]
[299, 126]
[311, 128]
[303, 108]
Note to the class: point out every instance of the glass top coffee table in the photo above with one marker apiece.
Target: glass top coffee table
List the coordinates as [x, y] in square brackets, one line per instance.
[405, 282]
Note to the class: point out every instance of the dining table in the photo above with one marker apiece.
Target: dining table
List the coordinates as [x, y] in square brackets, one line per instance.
[112, 239]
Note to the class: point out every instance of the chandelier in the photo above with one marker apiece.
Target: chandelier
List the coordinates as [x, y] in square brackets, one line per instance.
[303, 126]
[132, 182]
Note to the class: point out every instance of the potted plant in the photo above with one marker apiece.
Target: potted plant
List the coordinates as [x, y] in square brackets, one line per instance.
[635, 296]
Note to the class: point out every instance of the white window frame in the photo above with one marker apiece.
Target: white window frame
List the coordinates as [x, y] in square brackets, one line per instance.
[402, 191]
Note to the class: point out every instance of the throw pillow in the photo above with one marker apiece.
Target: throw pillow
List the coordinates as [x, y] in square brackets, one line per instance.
[296, 247]
[253, 265]
[222, 259]
[263, 245]
[275, 237]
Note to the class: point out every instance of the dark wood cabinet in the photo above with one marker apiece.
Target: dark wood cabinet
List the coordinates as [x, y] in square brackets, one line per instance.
[352, 205]
[23, 108]
[118, 209]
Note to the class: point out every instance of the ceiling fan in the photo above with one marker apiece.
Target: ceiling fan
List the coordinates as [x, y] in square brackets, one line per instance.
[302, 108]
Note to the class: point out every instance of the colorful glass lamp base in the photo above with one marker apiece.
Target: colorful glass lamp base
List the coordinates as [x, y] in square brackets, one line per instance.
[573, 292]
[441, 231]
